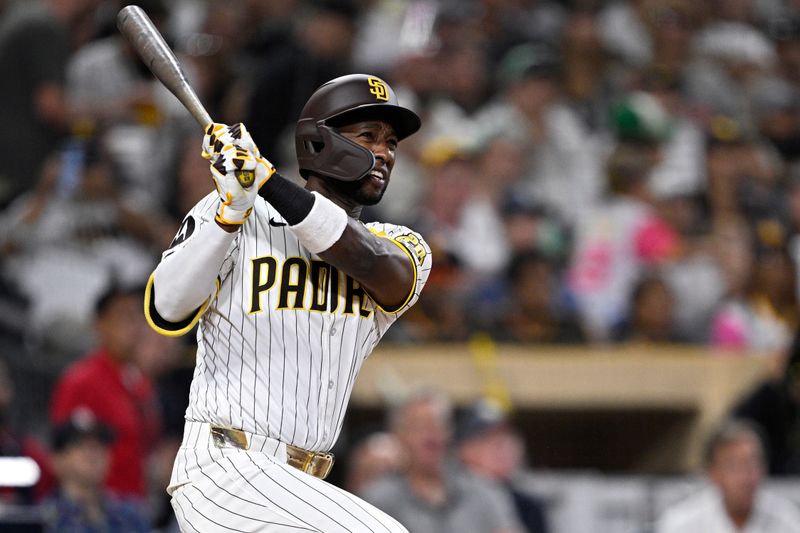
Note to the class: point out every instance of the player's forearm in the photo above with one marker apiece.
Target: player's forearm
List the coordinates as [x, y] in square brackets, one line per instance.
[325, 229]
[186, 278]
[379, 265]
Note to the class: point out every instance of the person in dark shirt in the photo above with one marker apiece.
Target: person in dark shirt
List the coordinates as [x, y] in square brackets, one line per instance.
[534, 312]
[774, 405]
[35, 42]
[319, 53]
[652, 315]
[81, 456]
[487, 444]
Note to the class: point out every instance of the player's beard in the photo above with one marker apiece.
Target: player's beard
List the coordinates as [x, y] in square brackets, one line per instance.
[363, 192]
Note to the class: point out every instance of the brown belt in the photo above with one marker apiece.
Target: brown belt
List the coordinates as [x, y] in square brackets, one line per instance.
[317, 464]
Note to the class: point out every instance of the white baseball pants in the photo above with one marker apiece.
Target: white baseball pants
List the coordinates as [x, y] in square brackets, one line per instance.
[229, 489]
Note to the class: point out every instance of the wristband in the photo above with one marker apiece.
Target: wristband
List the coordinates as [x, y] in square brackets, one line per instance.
[314, 219]
[322, 227]
[293, 202]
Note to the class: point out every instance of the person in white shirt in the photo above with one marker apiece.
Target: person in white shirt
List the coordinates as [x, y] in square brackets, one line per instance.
[735, 501]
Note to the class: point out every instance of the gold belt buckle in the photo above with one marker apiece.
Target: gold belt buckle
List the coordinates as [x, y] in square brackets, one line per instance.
[317, 464]
[229, 438]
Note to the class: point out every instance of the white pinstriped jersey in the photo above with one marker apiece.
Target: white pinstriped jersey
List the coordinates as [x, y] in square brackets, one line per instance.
[282, 341]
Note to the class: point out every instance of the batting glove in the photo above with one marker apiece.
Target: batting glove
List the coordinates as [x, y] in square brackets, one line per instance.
[238, 170]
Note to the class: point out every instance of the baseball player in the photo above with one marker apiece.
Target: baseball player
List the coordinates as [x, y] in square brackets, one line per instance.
[291, 294]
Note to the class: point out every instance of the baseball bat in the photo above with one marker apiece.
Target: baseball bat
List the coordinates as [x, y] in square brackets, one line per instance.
[140, 31]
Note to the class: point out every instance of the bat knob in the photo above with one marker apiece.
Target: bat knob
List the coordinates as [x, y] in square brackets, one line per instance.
[246, 177]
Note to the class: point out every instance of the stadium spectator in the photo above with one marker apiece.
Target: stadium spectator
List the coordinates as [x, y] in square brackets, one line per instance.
[673, 24]
[617, 242]
[774, 405]
[107, 83]
[652, 316]
[81, 456]
[735, 500]
[377, 455]
[489, 446]
[452, 177]
[775, 103]
[765, 316]
[108, 383]
[586, 83]
[784, 28]
[320, 51]
[66, 240]
[114, 96]
[727, 57]
[35, 43]
[681, 168]
[455, 114]
[17, 444]
[564, 158]
[433, 493]
[481, 239]
[528, 227]
[533, 310]
[451, 181]
[625, 33]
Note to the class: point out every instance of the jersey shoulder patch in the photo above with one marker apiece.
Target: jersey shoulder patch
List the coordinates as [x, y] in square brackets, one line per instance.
[403, 236]
[419, 254]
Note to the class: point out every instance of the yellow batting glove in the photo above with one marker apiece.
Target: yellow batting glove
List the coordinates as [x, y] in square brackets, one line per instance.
[236, 201]
[217, 136]
[238, 170]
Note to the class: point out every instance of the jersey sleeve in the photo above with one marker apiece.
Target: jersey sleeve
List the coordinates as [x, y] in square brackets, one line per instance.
[419, 255]
[201, 214]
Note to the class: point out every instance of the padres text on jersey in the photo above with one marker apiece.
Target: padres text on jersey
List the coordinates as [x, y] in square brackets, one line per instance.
[281, 341]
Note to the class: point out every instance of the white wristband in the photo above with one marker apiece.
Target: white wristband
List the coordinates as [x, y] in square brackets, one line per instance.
[323, 225]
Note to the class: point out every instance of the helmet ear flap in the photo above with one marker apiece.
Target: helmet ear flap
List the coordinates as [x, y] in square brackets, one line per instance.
[322, 151]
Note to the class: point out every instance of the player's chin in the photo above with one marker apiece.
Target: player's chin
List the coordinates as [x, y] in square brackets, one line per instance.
[368, 191]
[371, 197]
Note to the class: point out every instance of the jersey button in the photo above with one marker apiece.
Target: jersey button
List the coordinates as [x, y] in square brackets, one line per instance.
[333, 332]
[330, 384]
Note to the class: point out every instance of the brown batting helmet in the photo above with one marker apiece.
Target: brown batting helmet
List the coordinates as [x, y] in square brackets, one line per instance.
[344, 100]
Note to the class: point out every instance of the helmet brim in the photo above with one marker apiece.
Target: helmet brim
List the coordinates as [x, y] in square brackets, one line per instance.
[404, 121]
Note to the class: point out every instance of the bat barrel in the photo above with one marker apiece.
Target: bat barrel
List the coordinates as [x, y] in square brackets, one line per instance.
[140, 31]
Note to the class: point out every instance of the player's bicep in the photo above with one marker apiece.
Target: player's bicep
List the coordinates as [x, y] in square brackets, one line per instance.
[392, 288]
[381, 267]
[416, 256]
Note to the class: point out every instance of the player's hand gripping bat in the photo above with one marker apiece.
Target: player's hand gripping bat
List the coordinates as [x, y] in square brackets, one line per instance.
[137, 27]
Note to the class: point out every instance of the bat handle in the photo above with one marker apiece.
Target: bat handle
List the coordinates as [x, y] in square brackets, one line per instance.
[201, 116]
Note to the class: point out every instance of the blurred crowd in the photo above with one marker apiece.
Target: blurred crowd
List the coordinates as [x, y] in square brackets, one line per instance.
[588, 171]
